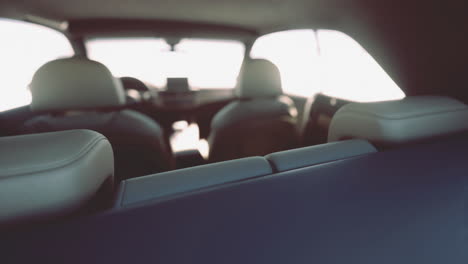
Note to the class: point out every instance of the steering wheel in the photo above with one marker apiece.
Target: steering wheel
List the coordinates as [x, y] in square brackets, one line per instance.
[136, 91]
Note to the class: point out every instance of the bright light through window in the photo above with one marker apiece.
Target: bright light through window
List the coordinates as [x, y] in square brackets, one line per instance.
[295, 54]
[24, 48]
[328, 62]
[139, 58]
[206, 63]
[349, 72]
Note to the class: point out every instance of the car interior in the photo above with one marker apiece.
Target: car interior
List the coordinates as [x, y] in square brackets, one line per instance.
[323, 131]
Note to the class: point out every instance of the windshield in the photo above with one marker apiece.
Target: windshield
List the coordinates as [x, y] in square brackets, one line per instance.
[206, 63]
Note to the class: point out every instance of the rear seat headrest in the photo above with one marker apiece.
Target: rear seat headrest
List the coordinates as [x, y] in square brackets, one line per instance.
[75, 84]
[168, 184]
[408, 120]
[260, 78]
[43, 176]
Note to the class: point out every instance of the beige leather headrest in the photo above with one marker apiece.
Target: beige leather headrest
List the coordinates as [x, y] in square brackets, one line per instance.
[75, 84]
[260, 78]
[403, 121]
[51, 174]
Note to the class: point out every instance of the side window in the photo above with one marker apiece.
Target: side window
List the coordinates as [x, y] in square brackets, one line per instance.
[23, 49]
[295, 54]
[349, 72]
[329, 62]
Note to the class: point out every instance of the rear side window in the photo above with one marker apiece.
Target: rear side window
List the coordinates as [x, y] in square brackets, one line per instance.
[206, 63]
[23, 49]
[328, 62]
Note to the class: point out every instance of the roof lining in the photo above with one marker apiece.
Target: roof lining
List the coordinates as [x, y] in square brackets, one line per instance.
[89, 28]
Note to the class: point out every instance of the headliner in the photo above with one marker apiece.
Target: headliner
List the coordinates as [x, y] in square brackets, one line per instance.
[260, 15]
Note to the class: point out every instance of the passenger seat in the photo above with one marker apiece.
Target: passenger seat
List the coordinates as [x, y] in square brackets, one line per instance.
[77, 93]
[261, 121]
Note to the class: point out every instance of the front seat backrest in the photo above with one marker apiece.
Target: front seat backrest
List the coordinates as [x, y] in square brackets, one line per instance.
[77, 93]
[260, 122]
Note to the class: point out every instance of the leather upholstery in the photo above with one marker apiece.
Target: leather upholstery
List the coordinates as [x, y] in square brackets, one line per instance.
[260, 78]
[139, 144]
[262, 121]
[75, 83]
[44, 176]
[412, 119]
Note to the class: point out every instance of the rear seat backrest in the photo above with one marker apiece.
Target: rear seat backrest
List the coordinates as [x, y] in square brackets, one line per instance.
[389, 207]
[169, 185]
[393, 123]
[318, 154]
[44, 176]
[165, 185]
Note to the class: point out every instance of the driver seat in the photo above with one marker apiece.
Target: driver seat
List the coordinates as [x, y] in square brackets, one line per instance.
[77, 93]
